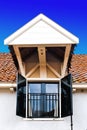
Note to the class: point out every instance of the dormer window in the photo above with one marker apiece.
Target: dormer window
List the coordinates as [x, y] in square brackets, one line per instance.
[43, 50]
[44, 99]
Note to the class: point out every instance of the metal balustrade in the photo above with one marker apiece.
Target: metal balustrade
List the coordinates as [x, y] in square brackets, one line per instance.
[42, 105]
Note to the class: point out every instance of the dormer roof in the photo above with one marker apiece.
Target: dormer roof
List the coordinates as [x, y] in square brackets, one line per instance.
[41, 30]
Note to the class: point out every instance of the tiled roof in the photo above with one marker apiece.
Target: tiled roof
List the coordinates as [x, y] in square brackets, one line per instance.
[7, 68]
[79, 68]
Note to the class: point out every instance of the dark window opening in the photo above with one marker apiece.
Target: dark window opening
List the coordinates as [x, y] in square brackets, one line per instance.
[42, 100]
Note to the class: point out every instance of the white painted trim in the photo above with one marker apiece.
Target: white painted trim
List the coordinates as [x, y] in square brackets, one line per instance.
[43, 79]
[14, 85]
[80, 86]
[43, 119]
[60, 98]
[44, 18]
[26, 98]
[8, 85]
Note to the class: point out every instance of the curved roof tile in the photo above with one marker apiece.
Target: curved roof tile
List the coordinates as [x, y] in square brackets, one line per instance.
[78, 68]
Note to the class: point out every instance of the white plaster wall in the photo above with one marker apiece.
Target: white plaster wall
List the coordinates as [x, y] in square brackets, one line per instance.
[80, 111]
[9, 120]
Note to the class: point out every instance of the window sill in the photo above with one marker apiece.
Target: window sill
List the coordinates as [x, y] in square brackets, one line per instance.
[43, 119]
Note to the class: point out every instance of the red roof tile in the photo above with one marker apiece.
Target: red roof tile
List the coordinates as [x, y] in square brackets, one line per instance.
[7, 68]
[78, 68]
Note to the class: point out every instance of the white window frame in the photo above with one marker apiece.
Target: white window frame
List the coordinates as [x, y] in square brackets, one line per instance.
[54, 80]
[65, 94]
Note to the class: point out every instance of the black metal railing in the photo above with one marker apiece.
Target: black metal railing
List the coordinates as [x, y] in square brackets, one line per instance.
[42, 105]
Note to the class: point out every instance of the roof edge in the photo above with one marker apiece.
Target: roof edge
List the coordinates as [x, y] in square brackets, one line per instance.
[8, 85]
[79, 85]
[50, 22]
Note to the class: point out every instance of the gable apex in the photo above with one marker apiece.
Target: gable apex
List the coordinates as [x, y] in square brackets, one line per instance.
[61, 34]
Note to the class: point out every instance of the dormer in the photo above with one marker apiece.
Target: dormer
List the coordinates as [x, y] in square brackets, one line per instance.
[42, 49]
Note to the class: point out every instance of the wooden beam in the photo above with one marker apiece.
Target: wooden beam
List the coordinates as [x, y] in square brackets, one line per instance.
[53, 70]
[43, 79]
[32, 70]
[66, 57]
[40, 45]
[19, 58]
[42, 55]
[42, 61]
[43, 72]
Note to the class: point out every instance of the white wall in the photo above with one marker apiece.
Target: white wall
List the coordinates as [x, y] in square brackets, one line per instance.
[80, 111]
[9, 120]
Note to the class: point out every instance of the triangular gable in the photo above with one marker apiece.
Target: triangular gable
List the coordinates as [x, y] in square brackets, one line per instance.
[41, 30]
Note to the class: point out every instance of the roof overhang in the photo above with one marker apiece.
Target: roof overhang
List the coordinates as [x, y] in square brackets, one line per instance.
[41, 31]
[8, 85]
[79, 85]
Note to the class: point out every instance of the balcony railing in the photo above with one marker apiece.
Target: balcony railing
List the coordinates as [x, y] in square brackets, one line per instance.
[42, 105]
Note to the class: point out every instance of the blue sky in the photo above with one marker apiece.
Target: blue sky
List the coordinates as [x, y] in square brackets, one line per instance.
[70, 14]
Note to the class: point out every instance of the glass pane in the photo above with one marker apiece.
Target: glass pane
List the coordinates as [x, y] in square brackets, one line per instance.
[51, 88]
[35, 88]
[44, 99]
[52, 99]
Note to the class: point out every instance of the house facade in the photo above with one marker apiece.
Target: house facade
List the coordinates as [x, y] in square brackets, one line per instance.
[42, 84]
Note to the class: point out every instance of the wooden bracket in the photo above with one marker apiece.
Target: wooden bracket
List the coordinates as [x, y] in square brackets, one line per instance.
[66, 57]
[53, 70]
[32, 70]
[19, 58]
[42, 61]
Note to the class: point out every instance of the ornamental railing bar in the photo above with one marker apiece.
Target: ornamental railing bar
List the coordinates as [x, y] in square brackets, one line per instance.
[43, 105]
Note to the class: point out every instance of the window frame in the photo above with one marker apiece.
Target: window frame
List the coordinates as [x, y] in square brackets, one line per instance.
[45, 82]
[59, 100]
